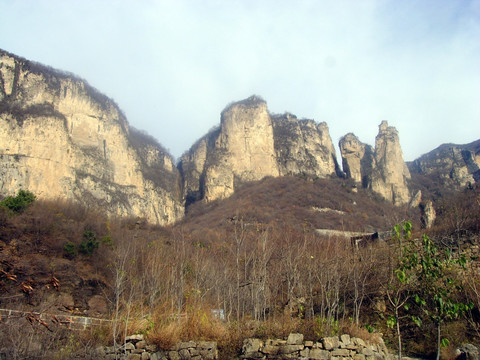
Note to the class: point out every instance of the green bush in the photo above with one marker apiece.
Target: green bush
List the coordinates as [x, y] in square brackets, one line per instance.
[20, 202]
[107, 241]
[89, 242]
[70, 250]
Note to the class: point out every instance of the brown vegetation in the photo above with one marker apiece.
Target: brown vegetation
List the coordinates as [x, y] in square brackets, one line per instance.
[254, 256]
[292, 199]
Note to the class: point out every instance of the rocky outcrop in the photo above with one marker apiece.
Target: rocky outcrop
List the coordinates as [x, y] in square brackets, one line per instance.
[243, 150]
[192, 167]
[250, 145]
[428, 214]
[240, 150]
[390, 173]
[415, 200]
[303, 147]
[382, 169]
[452, 166]
[60, 138]
[357, 159]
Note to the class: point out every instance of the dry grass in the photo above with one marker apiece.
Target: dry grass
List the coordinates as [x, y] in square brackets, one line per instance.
[277, 327]
[350, 328]
[290, 200]
[204, 254]
[196, 323]
[21, 340]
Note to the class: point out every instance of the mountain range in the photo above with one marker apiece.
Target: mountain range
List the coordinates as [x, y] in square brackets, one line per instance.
[61, 138]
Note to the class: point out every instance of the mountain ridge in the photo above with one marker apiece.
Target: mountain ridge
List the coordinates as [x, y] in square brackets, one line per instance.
[63, 138]
[60, 138]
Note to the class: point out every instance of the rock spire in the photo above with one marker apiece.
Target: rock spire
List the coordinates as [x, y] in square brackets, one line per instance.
[250, 144]
[381, 169]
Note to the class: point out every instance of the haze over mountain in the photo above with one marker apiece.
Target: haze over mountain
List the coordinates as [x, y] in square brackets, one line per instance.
[61, 138]
[173, 65]
[269, 224]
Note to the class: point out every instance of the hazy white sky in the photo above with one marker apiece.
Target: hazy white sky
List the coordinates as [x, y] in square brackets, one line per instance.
[172, 66]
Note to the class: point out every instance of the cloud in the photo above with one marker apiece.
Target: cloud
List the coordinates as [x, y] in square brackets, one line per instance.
[173, 65]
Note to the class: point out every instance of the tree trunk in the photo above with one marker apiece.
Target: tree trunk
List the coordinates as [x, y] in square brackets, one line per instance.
[438, 340]
[399, 336]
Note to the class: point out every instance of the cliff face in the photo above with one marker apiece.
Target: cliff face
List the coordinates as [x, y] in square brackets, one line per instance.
[452, 166]
[303, 147]
[241, 150]
[60, 138]
[250, 145]
[390, 173]
[382, 169]
[357, 159]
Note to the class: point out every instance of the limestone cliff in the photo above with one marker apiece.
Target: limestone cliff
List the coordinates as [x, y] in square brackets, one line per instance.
[390, 174]
[303, 147]
[241, 150]
[452, 166]
[357, 159]
[381, 169]
[192, 166]
[60, 138]
[250, 144]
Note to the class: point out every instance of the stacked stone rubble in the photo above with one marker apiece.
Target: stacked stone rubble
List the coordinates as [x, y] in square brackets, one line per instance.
[136, 348]
[330, 348]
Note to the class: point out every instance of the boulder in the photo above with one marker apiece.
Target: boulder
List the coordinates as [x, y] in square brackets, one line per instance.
[295, 339]
[251, 346]
[134, 338]
[428, 214]
[468, 352]
[330, 342]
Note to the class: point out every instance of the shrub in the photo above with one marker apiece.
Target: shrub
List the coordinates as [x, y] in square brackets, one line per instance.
[108, 241]
[69, 250]
[20, 202]
[89, 243]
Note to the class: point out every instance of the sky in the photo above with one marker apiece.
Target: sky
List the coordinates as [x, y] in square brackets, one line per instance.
[173, 66]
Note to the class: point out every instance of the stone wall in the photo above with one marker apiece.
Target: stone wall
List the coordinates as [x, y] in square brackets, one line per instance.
[295, 347]
[336, 347]
[136, 348]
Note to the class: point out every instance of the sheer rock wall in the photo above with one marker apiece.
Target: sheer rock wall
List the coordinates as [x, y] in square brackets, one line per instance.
[381, 169]
[390, 173]
[60, 138]
[250, 145]
[304, 147]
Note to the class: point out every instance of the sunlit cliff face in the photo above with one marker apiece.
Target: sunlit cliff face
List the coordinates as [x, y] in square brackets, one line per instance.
[62, 139]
